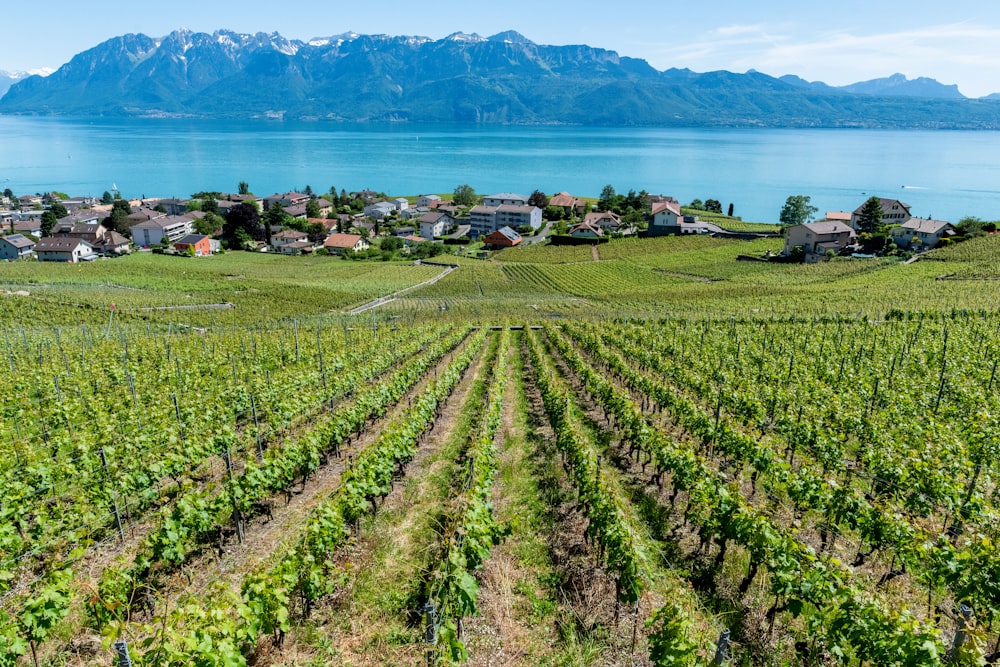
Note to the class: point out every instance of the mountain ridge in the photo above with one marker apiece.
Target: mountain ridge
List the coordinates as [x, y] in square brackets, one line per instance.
[503, 78]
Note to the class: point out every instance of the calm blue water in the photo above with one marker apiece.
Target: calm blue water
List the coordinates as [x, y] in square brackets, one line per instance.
[948, 174]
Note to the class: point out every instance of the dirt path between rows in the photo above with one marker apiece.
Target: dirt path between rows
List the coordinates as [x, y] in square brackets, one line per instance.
[357, 627]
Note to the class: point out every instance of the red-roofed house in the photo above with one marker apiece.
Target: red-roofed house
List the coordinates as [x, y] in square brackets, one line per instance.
[338, 244]
[667, 219]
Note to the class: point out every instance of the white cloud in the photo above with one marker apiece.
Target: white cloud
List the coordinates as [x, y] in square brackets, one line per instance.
[960, 53]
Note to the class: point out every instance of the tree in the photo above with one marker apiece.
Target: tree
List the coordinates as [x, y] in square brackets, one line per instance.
[243, 219]
[208, 224]
[713, 205]
[796, 211]
[244, 188]
[465, 195]
[870, 217]
[9, 194]
[273, 217]
[312, 209]
[48, 222]
[58, 210]
[538, 199]
[107, 198]
[730, 214]
[210, 205]
[607, 199]
[117, 221]
[308, 191]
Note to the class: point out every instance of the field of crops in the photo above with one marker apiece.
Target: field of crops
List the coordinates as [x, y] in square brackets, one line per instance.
[663, 457]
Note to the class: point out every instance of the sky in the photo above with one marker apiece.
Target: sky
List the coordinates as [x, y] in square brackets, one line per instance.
[842, 42]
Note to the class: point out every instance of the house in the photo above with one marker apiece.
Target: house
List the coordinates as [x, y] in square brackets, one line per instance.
[169, 228]
[403, 231]
[16, 246]
[505, 198]
[586, 230]
[505, 237]
[84, 217]
[32, 227]
[413, 212]
[413, 240]
[570, 204]
[92, 233]
[434, 224]
[816, 238]
[921, 233]
[427, 200]
[610, 222]
[894, 212]
[144, 214]
[379, 210]
[64, 249]
[199, 243]
[286, 200]
[340, 243]
[282, 241]
[298, 211]
[400, 203]
[115, 244]
[842, 216]
[667, 218]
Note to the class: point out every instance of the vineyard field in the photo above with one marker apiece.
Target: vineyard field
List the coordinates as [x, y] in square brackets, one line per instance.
[654, 456]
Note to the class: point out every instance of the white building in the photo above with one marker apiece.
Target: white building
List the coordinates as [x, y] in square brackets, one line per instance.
[155, 231]
[505, 198]
[64, 249]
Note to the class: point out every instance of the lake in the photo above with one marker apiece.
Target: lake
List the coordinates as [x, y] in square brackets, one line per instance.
[944, 174]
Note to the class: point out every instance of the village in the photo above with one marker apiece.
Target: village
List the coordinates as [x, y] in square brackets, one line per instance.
[366, 224]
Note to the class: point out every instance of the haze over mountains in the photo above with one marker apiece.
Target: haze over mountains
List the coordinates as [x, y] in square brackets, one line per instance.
[505, 78]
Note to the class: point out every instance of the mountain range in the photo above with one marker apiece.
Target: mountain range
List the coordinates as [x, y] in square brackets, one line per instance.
[505, 78]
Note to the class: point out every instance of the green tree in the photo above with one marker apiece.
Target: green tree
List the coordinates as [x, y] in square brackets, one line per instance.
[465, 195]
[870, 217]
[274, 216]
[242, 225]
[796, 211]
[308, 190]
[697, 204]
[244, 188]
[117, 221]
[209, 224]
[107, 198]
[606, 201]
[210, 205]
[312, 209]
[8, 193]
[48, 222]
[713, 205]
[58, 210]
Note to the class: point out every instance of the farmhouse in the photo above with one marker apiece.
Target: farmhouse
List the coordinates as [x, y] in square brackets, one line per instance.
[610, 222]
[340, 243]
[667, 218]
[586, 230]
[816, 238]
[570, 204]
[427, 200]
[921, 232]
[894, 212]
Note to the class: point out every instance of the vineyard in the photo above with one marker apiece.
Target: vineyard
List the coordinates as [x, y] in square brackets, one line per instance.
[532, 477]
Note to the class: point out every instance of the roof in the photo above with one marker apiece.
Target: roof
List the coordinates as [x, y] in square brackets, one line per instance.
[341, 240]
[164, 222]
[433, 217]
[300, 245]
[507, 233]
[507, 195]
[59, 244]
[565, 199]
[591, 227]
[113, 238]
[843, 216]
[514, 208]
[27, 226]
[925, 225]
[289, 234]
[828, 227]
[887, 205]
[670, 206]
[600, 217]
[190, 239]
[414, 239]
[18, 241]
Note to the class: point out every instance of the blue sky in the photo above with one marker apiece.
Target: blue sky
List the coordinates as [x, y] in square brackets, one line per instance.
[956, 42]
